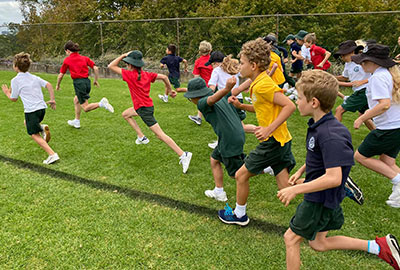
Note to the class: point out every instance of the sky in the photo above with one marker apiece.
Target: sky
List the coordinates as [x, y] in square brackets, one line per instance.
[10, 12]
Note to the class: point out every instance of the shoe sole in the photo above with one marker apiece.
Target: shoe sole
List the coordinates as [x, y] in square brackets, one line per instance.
[356, 191]
[190, 158]
[393, 204]
[52, 161]
[215, 198]
[244, 223]
[72, 125]
[47, 132]
[394, 247]
[195, 121]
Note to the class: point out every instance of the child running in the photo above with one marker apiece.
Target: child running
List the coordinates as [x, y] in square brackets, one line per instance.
[226, 124]
[383, 94]
[272, 109]
[78, 66]
[353, 76]
[319, 56]
[29, 88]
[139, 82]
[328, 163]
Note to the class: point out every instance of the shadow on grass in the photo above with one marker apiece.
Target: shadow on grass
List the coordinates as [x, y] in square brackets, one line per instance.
[138, 195]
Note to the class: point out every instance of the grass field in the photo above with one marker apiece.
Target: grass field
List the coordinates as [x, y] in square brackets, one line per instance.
[112, 204]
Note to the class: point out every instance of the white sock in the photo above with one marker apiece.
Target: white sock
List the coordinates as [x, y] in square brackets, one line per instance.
[240, 210]
[373, 247]
[396, 179]
[218, 190]
[77, 120]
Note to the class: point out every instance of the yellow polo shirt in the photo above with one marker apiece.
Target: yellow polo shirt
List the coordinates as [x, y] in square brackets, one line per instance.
[278, 76]
[262, 91]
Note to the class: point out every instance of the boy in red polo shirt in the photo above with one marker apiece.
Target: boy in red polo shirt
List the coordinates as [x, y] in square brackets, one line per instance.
[78, 66]
[319, 56]
[202, 70]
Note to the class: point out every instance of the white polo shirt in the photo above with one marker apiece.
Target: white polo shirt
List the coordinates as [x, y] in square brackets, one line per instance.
[305, 52]
[219, 78]
[355, 72]
[29, 88]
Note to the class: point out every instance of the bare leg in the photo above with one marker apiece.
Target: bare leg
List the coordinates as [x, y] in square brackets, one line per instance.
[166, 139]
[77, 107]
[282, 179]
[199, 114]
[87, 107]
[181, 89]
[292, 243]
[42, 143]
[128, 115]
[384, 165]
[218, 173]
[242, 185]
[323, 243]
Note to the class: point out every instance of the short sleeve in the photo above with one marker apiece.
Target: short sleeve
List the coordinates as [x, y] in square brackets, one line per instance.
[267, 90]
[214, 78]
[89, 62]
[15, 91]
[42, 82]
[124, 73]
[345, 72]
[153, 76]
[337, 153]
[196, 70]
[64, 68]
[180, 59]
[380, 88]
[319, 50]
[163, 60]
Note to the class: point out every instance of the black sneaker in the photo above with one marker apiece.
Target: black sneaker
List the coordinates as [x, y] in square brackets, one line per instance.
[227, 216]
[353, 191]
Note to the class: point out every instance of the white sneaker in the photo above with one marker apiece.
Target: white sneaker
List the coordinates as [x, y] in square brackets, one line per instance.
[74, 123]
[106, 105]
[393, 203]
[285, 86]
[213, 144]
[269, 170]
[195, 119]
[185, 161]
[163, 98]
[290, 90]
[395, 193]
[218, 196]
[292, 97]
[143, 140]
[51, 159]
[248, 99]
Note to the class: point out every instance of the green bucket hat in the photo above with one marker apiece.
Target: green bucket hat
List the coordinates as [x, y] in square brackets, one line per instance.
[301, 34]
[289, 37]
[197, 88]
[134, 58]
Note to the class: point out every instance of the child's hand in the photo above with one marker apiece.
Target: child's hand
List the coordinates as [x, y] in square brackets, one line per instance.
[172, 94]
[320, 65]
[52, 104]
[234, 101]
[293, 179]
[357, 83]
[286, 195]
[96, 83]
[262, 133]
[230, 83]
[5, 89]
[358, 122]
[58, 88]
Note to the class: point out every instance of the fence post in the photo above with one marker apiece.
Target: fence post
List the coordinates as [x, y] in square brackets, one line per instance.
[177, 36]
[101, 38]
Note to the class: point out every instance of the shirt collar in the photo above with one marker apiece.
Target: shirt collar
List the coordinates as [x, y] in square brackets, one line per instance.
[257, 79]
[326, 117]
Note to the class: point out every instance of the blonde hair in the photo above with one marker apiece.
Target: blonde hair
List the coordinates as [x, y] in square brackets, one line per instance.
[310, 38]
[257, 51]
[230, 65]
[205, 47]
[395, 72]
[321, 85]
[22, 61]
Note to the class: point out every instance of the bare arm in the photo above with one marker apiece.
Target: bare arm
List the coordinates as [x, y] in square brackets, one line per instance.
[331, 179]
[244, 86]
[59, 79]
[186, 65]
[297, 175]
[237, 104]
[164, 78]
[52, 101]
[113, 66]
[211, 100]
[273, 69]
[96, 76]
[7, 92]
[212, 87]
[327, 55]
[381, 107]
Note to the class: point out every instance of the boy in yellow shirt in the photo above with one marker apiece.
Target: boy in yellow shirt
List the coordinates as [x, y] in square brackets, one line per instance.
[272, 109]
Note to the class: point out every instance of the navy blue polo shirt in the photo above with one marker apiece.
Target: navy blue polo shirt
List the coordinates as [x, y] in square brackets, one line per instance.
[172, 61]
[328, 145]
[296, 47]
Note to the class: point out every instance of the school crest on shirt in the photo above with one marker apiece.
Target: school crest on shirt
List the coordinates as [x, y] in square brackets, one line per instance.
[356, 69]
[313, 53]
[311, 144]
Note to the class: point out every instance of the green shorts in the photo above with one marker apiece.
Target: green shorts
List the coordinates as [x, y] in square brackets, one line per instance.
[175, 82]
[270, 153]
[380, 142]
[356, 102]
[147, 115]
[296, 70]
[232, 164]
[82, 89]
[311, 218]
[33, 120]
[241, 113]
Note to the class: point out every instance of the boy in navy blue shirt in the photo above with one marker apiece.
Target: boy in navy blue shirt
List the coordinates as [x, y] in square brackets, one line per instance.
[328, 163]
[172, 62]
[295, 51]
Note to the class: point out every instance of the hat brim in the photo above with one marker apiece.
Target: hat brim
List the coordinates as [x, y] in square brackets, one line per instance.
[359, 58]
[299, 37]
[133, 62]
[198, 93]
[348, 50]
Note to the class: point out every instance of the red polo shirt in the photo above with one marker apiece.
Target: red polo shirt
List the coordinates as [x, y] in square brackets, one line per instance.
[317, 55]
[140, 90]
[77, 65]
[201, 69]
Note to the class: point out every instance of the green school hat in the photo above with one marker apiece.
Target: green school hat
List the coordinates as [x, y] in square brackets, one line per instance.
[197, 87]
[301, 34]
[289, 37]
[134, 58]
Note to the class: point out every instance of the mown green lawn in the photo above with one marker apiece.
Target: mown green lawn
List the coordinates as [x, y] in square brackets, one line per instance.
[112, 204]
